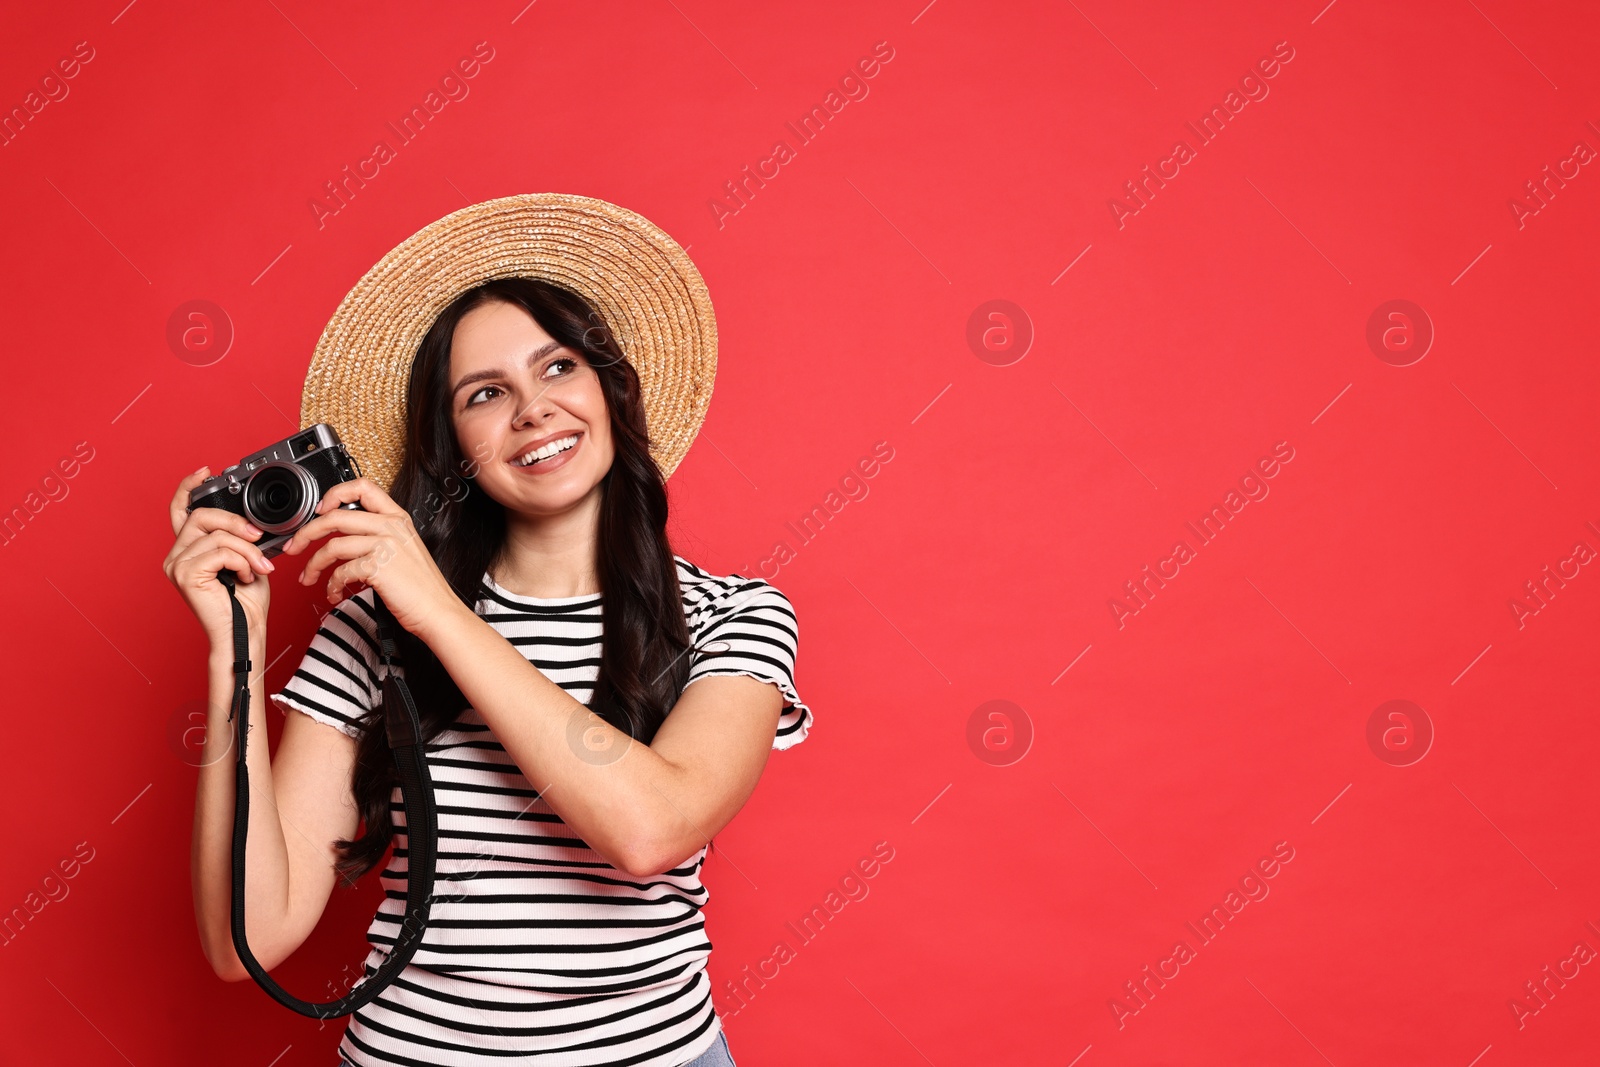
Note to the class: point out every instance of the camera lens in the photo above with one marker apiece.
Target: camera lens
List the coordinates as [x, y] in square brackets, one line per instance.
[280, 497]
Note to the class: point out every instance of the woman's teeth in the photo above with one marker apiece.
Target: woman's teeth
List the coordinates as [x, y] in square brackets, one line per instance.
[545, 452]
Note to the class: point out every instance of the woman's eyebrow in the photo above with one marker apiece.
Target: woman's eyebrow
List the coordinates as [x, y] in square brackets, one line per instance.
[495, 372]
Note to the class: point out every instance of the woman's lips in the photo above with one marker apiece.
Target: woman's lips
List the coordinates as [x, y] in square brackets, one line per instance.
[555, 462]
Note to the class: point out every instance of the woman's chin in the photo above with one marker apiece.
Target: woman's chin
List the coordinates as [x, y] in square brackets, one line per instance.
[539, 496]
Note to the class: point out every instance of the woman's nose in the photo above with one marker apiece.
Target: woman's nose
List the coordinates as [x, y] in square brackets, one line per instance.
[532, 407]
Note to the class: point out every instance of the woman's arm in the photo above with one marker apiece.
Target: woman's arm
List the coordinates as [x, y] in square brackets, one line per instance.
[655, 805]
[300, 803]
[288, 875]
[645, 810]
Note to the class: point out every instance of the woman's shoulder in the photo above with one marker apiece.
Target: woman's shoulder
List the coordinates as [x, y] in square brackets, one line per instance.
[742, 624]
[709, 598]
[697, 583]
[356, 612]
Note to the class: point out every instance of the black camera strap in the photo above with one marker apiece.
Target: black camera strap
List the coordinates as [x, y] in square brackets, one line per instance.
[404, 729]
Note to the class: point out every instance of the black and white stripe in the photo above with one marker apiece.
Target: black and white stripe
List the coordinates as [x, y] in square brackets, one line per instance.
[538, 948]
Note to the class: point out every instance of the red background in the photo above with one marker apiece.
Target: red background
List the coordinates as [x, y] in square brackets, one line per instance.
[1227, 315]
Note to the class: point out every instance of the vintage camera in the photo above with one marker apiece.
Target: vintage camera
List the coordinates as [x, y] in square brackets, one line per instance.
[278, 488]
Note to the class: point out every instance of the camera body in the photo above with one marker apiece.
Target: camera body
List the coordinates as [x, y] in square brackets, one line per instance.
[278, 488]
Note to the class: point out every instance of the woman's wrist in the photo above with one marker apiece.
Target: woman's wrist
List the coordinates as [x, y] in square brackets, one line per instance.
[443, 624]
[222, 651]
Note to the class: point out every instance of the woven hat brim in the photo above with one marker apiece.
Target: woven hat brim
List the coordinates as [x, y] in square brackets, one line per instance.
[642, 282]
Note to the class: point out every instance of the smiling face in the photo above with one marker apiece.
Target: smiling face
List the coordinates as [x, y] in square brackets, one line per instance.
[517, 393]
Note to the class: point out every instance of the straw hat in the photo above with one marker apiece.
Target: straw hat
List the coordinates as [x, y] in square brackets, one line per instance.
[643, 284]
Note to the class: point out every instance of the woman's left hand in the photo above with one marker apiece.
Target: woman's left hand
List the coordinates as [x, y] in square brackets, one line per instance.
[378, 547]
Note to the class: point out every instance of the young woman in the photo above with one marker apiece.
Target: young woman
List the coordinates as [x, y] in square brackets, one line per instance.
[551, 639]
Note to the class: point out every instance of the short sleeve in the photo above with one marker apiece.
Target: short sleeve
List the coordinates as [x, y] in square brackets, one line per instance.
[337, 681]
[752, 630]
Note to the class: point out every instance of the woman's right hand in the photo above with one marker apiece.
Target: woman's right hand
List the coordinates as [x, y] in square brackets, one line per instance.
[210, 540]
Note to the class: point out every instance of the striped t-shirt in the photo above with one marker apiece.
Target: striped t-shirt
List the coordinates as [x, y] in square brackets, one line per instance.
[537, 949]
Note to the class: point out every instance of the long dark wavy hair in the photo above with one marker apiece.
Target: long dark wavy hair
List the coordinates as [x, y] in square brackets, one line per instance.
[643, 668]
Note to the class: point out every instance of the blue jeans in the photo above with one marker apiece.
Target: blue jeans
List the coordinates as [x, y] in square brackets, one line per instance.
[715, 1056]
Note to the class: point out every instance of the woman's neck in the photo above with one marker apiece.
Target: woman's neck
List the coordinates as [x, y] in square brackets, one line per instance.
[550, 556]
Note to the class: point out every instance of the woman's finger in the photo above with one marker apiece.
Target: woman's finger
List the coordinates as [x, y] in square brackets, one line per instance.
[354, 573]
[364, 491]
[208, 563]
[180, 500]
[339, 548]
[337, 521]
[257, 559]
[191, 538]
[202, 521]
[208, 519]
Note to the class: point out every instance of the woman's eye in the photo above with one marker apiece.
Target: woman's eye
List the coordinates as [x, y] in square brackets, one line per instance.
[571, 365]
[473, 399]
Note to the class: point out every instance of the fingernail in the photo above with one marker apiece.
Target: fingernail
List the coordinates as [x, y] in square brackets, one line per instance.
[203, 470]
[251, 530]
[267, 563]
